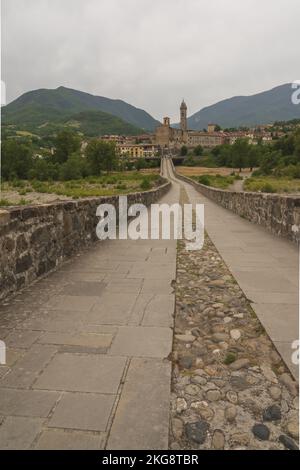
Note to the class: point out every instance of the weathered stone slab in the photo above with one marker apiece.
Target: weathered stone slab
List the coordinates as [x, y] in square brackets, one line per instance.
[57, 439]
[142, 342]
[112, 309]
[139, 308]
[88, 340]
[152, 271]
[82, 373]
[27, 402]
[285, 328]
[12, 355]
[124, 285]
[71, 302]
[263, 280]
[85, 288]
[19, 433]
[85, 411]
[157, 286]
[22, 339]
[153, 310]
[3, 371]
[159, 312]
[28, 367]
[142, 416]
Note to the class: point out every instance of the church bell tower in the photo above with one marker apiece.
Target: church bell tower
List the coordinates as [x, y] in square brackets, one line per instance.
[183, 117]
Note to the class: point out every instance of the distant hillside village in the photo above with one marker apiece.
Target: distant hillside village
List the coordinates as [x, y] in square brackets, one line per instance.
[31, 125]
[173, 139]
[37, 117]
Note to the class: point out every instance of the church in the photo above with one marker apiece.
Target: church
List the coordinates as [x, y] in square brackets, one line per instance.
[174, 138]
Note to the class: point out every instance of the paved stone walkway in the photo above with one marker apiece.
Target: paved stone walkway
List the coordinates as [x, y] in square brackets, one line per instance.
[88, 348]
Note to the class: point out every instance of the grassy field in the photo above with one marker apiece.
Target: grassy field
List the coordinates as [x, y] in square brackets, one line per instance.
[216, 181]
[266, 184]
[269, 184]
[221, 177]
[198, 171]
[39, 192]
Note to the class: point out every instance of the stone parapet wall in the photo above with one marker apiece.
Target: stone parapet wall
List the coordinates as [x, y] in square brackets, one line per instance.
[36, 239]
[277, 213]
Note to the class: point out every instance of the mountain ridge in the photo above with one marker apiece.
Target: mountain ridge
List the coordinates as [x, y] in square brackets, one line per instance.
[65, 100]
[247, 110]
[51, 107]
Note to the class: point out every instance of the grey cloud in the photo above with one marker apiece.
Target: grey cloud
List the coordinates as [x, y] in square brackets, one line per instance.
[151, 53]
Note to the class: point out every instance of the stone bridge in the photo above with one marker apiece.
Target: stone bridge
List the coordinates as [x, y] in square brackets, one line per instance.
[93, 360]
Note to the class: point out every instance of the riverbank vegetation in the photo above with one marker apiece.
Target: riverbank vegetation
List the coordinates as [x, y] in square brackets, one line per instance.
[274, 167]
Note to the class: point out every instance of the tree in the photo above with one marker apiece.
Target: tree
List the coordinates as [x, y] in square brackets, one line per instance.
[141, 163]
[73, 168]
[286, 145]
[183, 151]
[253, 157]
[17, 159]
[66, 143]
[189, 161]
[216, 150]
[101, 156]
[240, 153]
[44, 170]
[223, 155]
[297, 144]
[269, 161]
[198, 151]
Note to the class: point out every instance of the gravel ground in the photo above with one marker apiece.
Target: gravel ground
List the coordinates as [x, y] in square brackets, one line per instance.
[230, 388]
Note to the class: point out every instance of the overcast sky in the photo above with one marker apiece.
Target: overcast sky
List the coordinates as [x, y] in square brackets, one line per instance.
[151, 53]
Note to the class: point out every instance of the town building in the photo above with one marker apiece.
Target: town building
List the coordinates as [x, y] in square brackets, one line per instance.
[211, 127]
[173, 138]
[135, 151]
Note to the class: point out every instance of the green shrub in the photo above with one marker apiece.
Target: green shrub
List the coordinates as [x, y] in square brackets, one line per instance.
[40, 187]
[70, 170]
[204, 179]
[230, 358]
[145, 184]
[23, 202]
[297, 171]
[93, 180]
[5, 202]
[268, 188]
[22, 192]
[257, 173]
[190, 161]
[18, 183]
[121, 186]
[111, 180]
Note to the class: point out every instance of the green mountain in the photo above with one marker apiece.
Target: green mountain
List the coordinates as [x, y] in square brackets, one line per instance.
[94, 123]
[261, 108]
[35, 109]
